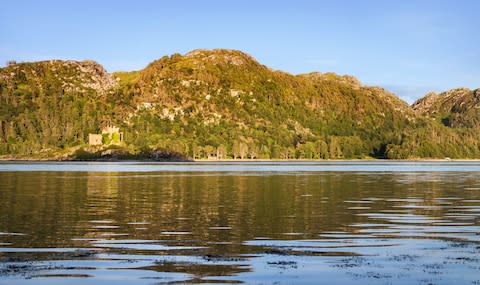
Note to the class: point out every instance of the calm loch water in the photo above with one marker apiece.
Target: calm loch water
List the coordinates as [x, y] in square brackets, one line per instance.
[254, 223]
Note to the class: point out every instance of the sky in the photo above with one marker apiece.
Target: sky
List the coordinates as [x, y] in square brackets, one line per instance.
[409, 47]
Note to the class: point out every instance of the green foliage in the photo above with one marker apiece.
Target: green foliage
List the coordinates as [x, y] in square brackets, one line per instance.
[106, 140]
[115, 138]
[220, 104]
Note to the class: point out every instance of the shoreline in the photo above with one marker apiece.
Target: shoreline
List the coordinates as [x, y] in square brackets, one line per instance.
[239, 160]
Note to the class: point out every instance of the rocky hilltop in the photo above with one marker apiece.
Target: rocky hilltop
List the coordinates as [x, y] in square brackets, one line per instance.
[69, 75]
[224, 104]
[454, 108]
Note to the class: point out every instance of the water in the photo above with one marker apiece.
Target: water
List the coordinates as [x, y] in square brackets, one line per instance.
[254, 223]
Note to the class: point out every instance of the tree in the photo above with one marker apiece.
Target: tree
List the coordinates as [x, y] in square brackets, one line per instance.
[307, 150]
[264, 152]
[335, 150]
[322, 149]
[252, 151]
[221, 151]
[243, 150]
[210, 152]
[236, 149]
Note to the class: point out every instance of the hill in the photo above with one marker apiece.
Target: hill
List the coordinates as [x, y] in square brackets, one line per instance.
[217, 103]
[210, 99]
[51, 105]
[454, 108]
[450, 129]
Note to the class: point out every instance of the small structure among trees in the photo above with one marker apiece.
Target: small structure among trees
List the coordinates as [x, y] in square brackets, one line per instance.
[94, 139]
[109, 135]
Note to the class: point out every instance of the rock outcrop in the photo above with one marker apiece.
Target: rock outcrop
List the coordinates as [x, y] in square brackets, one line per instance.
[454, 108]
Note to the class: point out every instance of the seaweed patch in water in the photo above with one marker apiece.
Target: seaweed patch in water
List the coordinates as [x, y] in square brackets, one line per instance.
[284, 264]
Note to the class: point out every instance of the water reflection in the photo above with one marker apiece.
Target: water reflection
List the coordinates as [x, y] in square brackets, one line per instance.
[373, 227]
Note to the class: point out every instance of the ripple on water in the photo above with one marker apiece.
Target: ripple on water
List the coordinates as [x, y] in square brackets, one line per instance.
[345, 236]
[72, 272]
[123, 241]
[358, 201]
[420, 207]
[407, 200]
[328, 246]
[11, 234]
[220, 228]
[140, 244]
[176, 233]
[40, 250]
[359, 208]
[403, 218]
[106, 227]
[461, 216]
[101, 221]
[113, 234]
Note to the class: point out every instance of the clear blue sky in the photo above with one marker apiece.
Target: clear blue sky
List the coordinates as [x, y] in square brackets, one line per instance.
[409, 47]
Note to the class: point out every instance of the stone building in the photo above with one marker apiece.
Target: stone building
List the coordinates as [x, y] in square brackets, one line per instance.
[94, 139]
[109, 135]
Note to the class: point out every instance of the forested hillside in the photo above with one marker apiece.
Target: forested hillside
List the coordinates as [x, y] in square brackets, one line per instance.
[51, 104]
[224, 104]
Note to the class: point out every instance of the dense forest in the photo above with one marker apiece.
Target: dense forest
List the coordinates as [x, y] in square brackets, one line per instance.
[223, 104]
